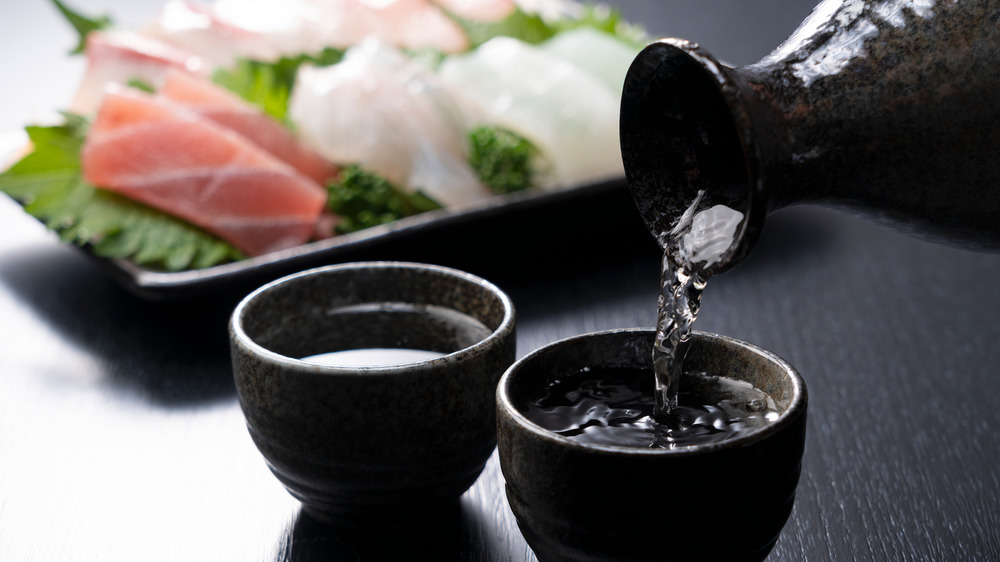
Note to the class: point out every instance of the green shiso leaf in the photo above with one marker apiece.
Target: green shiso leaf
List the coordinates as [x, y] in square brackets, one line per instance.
[82, 24]
[141, 85]
[533, 29]
[530, 28]
[268, 85]
[609, 20]
[49, 184]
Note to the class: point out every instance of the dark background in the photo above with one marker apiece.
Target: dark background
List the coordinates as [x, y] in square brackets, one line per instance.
[121, 438]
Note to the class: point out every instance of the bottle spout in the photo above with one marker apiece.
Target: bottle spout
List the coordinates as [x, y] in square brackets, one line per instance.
[689, 156]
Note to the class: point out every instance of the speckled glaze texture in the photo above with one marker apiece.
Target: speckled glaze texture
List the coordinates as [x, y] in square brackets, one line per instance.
[583, 502]
[887, 109]
[372, 447]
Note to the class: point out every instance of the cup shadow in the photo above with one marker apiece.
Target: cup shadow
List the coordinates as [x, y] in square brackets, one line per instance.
[453, 536]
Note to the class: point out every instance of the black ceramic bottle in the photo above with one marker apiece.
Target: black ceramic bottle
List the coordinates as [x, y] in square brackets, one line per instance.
[887, 109]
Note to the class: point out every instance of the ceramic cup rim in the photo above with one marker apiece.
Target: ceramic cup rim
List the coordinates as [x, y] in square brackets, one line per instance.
[796, 406]
[298, 366]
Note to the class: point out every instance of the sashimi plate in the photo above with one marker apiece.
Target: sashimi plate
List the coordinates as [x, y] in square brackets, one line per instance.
[369, 243]
[184, 149]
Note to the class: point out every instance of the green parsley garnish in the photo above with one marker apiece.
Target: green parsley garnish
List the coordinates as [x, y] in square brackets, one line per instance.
[363, 199]
[504, 160]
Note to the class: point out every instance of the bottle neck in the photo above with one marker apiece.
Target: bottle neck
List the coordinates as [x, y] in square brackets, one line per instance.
[684, 140]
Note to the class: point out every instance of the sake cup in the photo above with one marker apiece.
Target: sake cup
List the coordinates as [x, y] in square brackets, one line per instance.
[373, 446]
[577, 501]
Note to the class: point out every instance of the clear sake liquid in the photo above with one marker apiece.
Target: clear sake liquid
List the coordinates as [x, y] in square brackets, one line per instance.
[700, 239]
[373, 357]
[383, 334]
[676, 310]
[616, 407]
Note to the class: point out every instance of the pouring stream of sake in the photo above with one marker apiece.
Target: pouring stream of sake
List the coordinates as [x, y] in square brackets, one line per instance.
[700, 239]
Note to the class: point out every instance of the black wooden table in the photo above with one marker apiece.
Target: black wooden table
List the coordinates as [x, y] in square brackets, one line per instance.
[121, 438]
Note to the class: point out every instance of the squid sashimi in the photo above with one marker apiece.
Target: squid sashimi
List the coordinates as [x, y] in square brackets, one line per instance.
[596, 52]
[391, 115]
[160, 154]
[116, 57]
[218, 104]
[569, 114]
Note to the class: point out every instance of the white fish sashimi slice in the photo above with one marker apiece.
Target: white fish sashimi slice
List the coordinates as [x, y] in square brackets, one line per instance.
[116, 57]
[291, 27]
[390, 115]
[199, 29]
[297, 26]
[417, 24]
[569, 114]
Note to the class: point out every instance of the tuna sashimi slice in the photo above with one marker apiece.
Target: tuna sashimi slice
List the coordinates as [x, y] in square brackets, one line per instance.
[226, 109]
[160, 154]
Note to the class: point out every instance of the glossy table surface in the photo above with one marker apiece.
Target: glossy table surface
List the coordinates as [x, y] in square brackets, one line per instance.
[121, 438]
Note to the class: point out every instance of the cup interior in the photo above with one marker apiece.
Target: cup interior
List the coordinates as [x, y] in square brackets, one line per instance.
[372, 305]
[709, 355]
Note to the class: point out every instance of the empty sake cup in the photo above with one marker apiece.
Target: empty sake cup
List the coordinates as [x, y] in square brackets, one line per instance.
[388, 442]
[584, 501]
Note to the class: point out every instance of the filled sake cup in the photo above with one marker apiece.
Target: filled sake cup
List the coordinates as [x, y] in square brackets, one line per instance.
[369, 387]
[608, 489]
